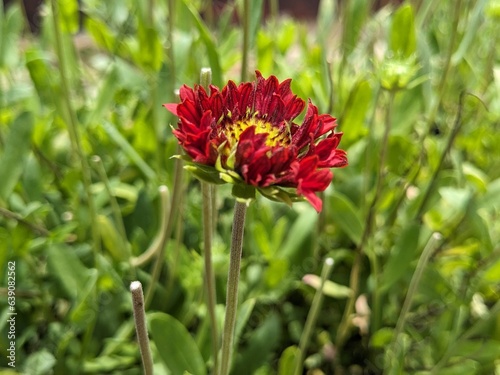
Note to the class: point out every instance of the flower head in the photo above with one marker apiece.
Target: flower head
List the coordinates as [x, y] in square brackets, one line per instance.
[246, 135]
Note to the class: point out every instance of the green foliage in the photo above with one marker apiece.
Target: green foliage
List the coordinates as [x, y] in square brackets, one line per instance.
[416, 92]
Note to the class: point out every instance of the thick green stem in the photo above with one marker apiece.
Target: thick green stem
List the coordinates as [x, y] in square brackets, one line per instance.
[209, 273]
[208, 208]
[140, 326]
[312, 317]
[232, 286]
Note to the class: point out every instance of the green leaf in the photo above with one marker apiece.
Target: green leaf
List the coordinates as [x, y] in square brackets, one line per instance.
[150, 52]
[276, 272]
[69, 15]
[208, 40]
[67, 267]
[39, 363]
[175, 345]
[86, 300]
[382, 338]
[403, 41]
[112, 239]
[255, 19]
[260, 345]
[401, 256]
[325, 20]
[244, 312]
[355, 18]
[17, 148]
[46, 88]
[330, 288]
[100, 33]
[475, 20]
[480, 350]
[261, 237]
[300, 230]
[345, 215]
[127, 148]
[286, 364]
[11, 24]
[355, 111]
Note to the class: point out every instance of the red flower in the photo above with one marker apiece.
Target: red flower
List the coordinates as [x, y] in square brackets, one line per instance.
[245, 135]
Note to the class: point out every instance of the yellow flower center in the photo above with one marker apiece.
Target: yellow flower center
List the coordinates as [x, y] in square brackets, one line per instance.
[276, 136]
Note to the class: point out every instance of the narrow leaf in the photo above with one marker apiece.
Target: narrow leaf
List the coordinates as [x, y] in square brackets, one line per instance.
[401, 256]
[17, 148]
[403, 41]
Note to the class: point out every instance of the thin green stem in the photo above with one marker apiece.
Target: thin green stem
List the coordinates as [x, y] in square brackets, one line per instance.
[274, 10]
[451, 139]
[232, 286]
[312, 316]
[447, 66]
[246, 39]
[73, 126]
[429, 249]
[140, 326]
[345, 323]
[161, 236]
[115, 208]
[370, 142]
[174, 208]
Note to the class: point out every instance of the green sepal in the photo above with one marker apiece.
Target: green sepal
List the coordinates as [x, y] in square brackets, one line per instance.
[243, 193]
[226, 177]
[278, 194]
[210, 176]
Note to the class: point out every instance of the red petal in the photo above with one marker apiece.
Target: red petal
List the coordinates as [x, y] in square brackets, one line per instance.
[247, 95]
[315, 201]
[186, 93]
[172, 107]
[187, 110]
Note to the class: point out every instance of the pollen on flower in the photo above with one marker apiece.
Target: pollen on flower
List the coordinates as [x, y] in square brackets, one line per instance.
[276, 135]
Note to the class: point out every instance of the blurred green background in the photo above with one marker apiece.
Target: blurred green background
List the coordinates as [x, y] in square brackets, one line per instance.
[85, 145]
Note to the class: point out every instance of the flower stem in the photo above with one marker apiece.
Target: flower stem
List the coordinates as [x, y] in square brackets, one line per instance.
[430, 247]
[140, 326]
[232, 286]
[208, 208]
[312, 317]
[209, 273]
